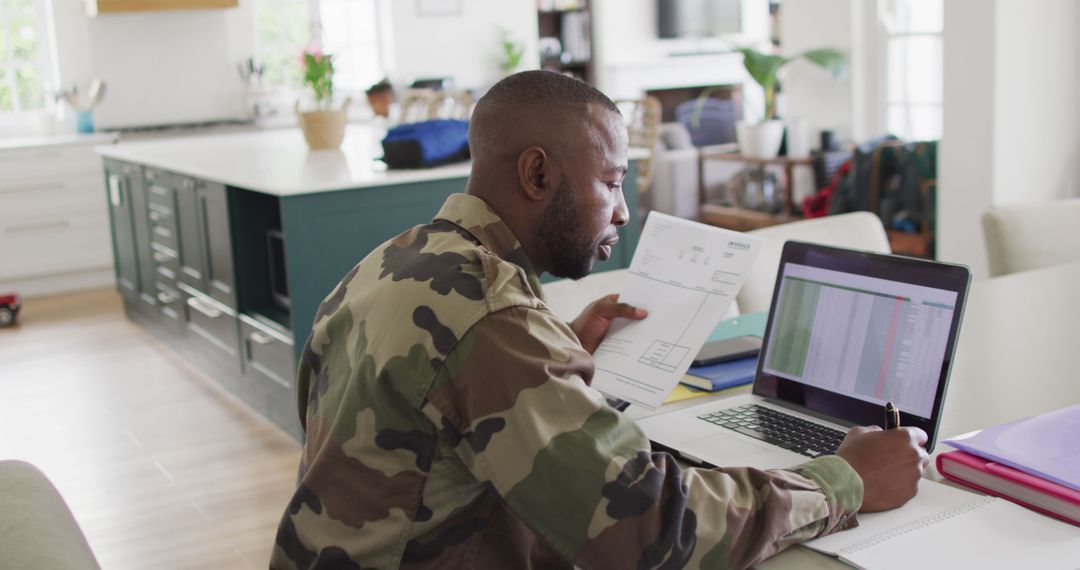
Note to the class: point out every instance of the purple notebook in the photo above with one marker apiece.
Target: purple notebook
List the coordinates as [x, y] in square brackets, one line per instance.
[1046, 445]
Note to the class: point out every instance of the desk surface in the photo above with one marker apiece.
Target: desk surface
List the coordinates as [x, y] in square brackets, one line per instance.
[1016, 357]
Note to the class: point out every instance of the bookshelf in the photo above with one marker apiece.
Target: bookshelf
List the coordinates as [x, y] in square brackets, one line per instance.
[565, 32]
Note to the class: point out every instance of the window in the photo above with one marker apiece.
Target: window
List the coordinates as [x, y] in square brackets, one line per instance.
[283, 28]
[346, 28]
[913, 63]
[25, 55]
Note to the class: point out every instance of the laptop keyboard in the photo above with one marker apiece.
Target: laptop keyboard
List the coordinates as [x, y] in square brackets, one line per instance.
[780, 429]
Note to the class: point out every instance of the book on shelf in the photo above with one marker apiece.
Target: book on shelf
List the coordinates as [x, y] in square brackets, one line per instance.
[1014, 485]
[716, 377]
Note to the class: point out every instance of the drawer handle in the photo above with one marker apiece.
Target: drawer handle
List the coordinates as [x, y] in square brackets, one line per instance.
[34, 188]
[116, 197]
[209, 312]
[50, 225]
[166, 298]
[261, 338]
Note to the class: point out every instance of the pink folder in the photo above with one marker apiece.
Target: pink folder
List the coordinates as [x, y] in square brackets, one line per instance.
[1003, 481]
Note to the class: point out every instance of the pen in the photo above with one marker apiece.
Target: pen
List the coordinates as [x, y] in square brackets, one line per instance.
[892, 416]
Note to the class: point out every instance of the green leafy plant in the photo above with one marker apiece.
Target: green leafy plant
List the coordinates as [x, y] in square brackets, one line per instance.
[512, 51]
[318, 71]
[764, 68]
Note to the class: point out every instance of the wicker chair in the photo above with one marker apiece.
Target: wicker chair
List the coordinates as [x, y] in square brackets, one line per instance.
[426, 104]
[642, 117]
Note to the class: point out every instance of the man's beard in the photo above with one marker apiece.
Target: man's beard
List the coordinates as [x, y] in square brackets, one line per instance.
[570, 250]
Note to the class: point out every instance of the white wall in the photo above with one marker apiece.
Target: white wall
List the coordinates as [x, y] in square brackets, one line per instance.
[629, 58]
[1011, 117]
[626, 32]
[463, 46]
[1037, 101]
[966, 153]
[810, 93]
[159, 67]
[179, 66]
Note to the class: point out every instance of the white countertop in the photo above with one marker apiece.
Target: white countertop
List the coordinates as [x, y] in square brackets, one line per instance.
[278, 161]
[17, 143]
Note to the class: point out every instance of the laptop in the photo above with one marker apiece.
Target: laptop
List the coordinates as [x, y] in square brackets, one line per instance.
[847, 332]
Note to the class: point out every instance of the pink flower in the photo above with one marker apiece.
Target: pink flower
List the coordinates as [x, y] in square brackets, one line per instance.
[312, 49]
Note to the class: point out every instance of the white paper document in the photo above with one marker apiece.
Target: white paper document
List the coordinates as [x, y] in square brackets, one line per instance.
[686, 275]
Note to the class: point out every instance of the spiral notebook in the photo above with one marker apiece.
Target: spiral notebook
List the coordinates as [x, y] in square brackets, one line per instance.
[946, 527]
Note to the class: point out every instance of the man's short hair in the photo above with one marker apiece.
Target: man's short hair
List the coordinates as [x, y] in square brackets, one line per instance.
[538, 95]
[545, 87]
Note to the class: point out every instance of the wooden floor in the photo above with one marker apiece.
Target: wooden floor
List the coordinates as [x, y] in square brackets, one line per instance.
[161, 468]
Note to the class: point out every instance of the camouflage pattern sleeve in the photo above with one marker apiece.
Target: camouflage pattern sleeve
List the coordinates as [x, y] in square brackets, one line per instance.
[512, 401]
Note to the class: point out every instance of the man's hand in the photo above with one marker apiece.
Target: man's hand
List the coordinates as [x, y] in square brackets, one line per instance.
[889, 462]
[593, 323]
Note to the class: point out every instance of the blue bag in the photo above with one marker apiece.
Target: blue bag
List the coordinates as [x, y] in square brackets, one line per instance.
[426, 144]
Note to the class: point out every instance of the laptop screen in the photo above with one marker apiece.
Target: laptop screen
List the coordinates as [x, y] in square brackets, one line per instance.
[849, 331]
[864, 337]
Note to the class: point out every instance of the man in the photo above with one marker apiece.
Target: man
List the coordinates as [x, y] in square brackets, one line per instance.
[448, 415]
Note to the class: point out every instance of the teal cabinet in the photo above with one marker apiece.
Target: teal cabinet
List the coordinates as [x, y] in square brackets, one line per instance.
[121, 220]
[270, 368]
[232, 277]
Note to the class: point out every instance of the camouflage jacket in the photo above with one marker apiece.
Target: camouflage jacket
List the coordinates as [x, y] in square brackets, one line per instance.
[450, 424]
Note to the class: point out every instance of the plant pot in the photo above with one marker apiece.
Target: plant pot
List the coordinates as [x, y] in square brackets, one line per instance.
[380, 102]
[761, 140]
[324, 129]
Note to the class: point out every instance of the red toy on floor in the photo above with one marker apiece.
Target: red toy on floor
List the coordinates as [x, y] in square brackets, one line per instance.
[9, 309]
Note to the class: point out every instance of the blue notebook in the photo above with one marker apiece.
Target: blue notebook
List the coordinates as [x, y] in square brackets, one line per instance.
[714, 377]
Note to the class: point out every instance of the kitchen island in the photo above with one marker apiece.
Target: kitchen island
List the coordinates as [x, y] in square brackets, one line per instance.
[225, 245]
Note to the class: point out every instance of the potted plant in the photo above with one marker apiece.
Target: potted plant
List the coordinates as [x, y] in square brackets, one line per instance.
[512, 51]
[762, 140]
[380, 96]
[324, 126]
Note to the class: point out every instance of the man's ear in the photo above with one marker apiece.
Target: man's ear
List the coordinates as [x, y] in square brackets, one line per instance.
[533, 168]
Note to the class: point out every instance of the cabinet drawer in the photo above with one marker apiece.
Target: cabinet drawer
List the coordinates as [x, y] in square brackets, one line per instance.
[268, 352]
[213, 339]
[54, 243]
[20, 200]
[25, 165]
[159, 190]
[269, 362]
[163, 227]
[171, 305]
[216, 321]
[166, 264]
